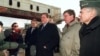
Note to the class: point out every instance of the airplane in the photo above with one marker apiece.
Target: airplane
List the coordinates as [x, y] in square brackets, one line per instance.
[27, 9]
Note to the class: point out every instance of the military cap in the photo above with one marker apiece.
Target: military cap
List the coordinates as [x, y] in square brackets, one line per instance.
[89, 3]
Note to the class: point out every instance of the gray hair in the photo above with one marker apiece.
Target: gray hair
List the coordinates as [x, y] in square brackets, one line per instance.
[94, 8]
[98, 11]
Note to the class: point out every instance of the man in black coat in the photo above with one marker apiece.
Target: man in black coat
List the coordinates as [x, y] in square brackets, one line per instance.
[47, 37]
[90, 30]
[30, 38]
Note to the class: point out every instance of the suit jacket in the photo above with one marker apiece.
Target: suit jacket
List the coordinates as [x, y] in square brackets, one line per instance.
[48, 37]
[30, 38]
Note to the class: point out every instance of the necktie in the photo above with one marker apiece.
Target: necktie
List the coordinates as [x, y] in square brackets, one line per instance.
[32, 30]
[42, 27]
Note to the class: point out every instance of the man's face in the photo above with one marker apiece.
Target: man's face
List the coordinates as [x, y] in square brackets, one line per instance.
[15, 26]
[1, 28]
[68, 18]
[34, 23]
[85, 15]
[44, 19]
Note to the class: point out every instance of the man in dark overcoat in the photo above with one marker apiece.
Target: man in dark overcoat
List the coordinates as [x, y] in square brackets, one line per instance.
[90, 30]
[30, 38]
[47, 37]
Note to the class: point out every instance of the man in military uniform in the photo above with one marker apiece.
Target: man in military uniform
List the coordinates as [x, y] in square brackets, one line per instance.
[90, 30]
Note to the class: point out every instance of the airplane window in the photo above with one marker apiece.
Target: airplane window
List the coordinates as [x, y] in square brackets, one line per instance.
[48, 10]
[31, 6]
[37, 8]
[18, 4]
[10, 2]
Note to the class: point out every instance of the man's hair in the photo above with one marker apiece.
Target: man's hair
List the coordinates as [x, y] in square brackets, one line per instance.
[13, 24]
[45, 14]
[96, 9]
[1, 23]
[70, 12]
[34, 19]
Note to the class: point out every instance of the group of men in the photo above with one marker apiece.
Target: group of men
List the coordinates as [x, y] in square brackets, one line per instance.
[80, 37]
[44, 38]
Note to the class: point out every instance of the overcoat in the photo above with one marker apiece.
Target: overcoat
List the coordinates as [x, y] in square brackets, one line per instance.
[69, 43]
[49, 37]
[90, 38]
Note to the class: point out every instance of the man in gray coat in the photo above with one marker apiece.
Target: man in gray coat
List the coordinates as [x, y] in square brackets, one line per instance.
[69, 43]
